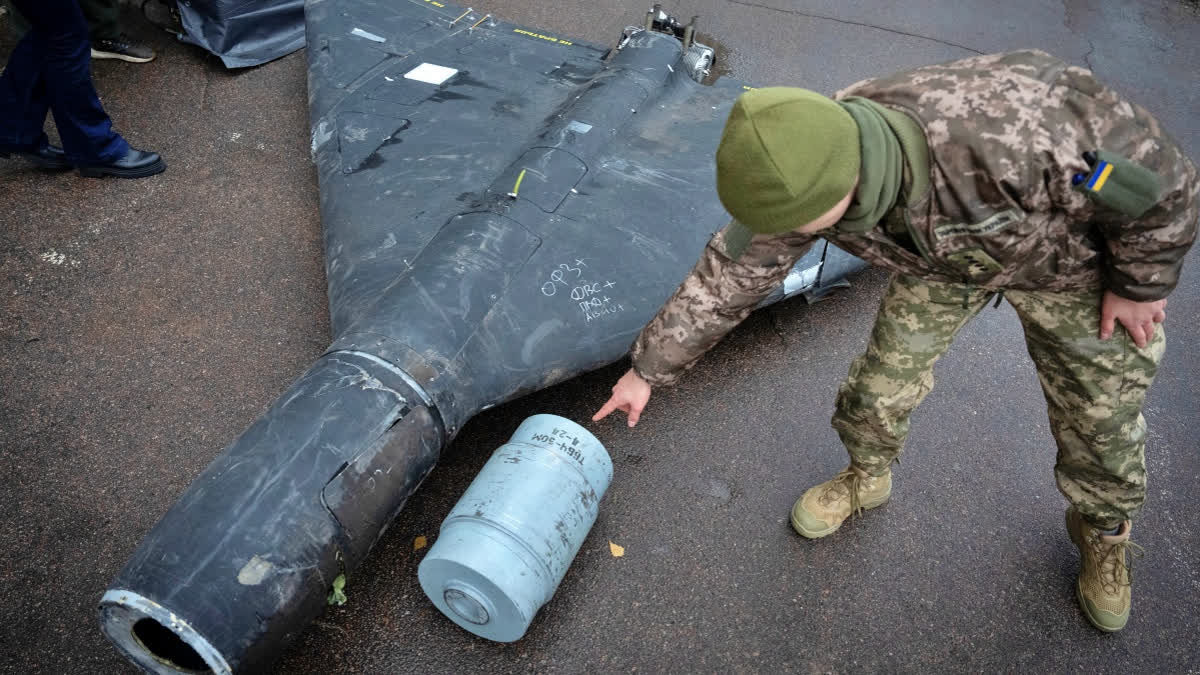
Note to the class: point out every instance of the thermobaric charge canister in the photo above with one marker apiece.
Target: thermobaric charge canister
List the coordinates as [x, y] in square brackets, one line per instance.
[508, 541]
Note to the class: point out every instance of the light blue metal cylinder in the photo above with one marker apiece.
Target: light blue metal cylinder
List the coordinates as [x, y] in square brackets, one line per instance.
[508, 541]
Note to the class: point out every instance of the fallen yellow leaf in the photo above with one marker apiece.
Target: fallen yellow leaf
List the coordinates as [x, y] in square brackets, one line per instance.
[419, 543]
[617, 550]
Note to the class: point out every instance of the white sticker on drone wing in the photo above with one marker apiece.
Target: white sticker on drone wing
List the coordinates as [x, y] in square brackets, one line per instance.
[433, 74]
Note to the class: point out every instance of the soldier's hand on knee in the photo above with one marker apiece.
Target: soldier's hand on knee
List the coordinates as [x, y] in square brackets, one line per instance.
[630, 394]
[1138, 318]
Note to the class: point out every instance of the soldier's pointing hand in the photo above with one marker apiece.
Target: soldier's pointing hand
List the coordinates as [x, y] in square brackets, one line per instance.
[630, 394]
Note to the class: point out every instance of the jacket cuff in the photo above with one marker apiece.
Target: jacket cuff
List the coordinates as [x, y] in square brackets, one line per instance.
[1132, 289]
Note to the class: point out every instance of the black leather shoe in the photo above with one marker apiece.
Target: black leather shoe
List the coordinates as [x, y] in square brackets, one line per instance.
[135, 164]
[46, 157]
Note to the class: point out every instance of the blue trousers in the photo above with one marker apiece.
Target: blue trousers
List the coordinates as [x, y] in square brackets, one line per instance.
[50, 70]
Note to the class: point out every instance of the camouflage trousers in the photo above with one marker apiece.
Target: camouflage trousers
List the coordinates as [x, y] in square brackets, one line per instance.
[1094, 389]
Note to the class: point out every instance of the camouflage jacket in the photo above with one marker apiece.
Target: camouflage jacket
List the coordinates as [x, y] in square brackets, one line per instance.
[1006, 134]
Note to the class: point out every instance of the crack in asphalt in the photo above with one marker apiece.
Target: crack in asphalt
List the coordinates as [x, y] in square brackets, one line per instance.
[853, 23]
[1087, 58]
[204, 90]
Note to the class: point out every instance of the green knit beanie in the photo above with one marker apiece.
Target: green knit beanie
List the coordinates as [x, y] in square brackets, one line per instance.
[787, 155]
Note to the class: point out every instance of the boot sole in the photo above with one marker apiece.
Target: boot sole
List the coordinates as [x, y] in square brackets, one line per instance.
[817, 534]
[121, 57]
[140, 172]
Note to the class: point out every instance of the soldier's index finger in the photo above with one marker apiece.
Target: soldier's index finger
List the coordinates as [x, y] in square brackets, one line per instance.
[605, 410]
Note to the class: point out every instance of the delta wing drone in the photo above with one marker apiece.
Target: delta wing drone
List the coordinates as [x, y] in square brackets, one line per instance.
[503, 208]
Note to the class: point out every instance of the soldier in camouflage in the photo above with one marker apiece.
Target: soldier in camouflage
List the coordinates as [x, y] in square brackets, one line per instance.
[1010, 174]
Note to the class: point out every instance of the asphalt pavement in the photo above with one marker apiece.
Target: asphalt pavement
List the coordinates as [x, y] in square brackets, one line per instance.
[144, 324]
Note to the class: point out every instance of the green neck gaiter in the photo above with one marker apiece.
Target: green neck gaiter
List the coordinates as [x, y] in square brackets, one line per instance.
[882, 171]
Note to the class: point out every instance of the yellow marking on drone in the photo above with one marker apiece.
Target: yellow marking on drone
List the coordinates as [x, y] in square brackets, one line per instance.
[539, 36]
[517, 187]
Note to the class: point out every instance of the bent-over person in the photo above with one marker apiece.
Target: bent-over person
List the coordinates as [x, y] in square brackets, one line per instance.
[1013, 175]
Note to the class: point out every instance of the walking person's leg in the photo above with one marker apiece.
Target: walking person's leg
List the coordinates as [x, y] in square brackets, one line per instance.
[59, 56]
[103, 18]
[24, 103]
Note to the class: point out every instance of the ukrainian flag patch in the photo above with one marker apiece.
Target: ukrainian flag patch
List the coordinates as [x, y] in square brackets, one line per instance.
[1099, 176]
[1119, 184]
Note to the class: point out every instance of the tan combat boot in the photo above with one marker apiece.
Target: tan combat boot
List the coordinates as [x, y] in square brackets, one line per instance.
[1103, 587]
[822, 509]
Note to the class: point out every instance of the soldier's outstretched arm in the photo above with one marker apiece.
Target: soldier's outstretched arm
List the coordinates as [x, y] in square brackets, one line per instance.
[714, 298]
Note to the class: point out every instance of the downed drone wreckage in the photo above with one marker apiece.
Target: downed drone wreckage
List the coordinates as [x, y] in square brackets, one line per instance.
[503, 209]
